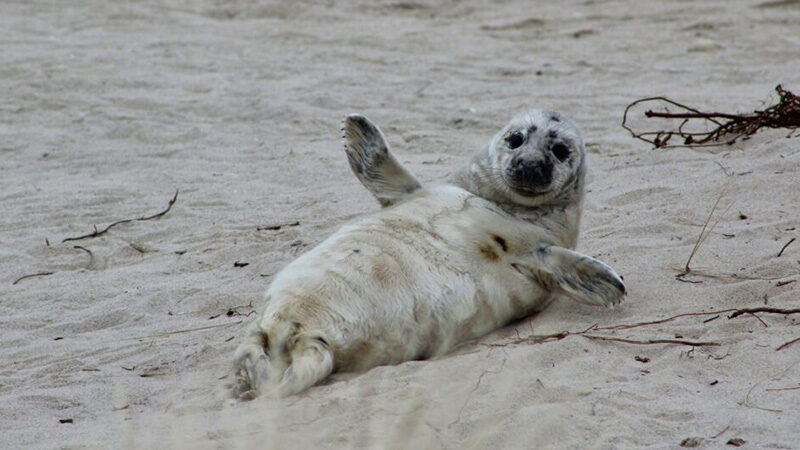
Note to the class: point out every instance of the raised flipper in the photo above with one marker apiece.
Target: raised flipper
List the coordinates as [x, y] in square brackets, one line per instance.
[374, 164]
[581, 277]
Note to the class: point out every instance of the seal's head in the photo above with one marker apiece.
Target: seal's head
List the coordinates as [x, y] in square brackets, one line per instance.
[539, 158]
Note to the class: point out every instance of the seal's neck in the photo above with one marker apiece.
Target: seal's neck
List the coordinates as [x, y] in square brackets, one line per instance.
[560, 215]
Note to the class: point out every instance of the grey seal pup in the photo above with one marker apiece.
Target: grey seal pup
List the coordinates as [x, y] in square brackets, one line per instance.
[436, 266]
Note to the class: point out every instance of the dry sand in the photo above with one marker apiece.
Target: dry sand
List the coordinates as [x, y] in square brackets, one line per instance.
[108, 107]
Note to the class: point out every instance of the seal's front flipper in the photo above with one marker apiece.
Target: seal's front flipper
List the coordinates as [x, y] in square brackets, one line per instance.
[581, 277]
[373, 164]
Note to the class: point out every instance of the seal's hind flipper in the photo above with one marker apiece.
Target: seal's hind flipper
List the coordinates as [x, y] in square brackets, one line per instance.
[374, 164]
[252, 366]
[581, 277]
[312, 361]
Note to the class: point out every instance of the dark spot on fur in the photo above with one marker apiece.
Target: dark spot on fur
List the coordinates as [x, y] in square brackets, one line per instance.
[381, 272]
[532, 129]
[552, 134]
[265, 343]
[488, 252]
[363, 349]
[355, 250]
[502, 242]
[322, 340]
[554, 118]
[518, 306]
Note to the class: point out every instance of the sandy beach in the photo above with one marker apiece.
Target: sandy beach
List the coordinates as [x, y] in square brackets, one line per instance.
[125, 340]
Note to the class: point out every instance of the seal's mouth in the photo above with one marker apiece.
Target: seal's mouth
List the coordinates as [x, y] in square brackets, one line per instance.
[524, 190]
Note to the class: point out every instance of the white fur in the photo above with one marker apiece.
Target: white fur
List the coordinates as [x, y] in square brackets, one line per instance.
[435, 267]
[406, 282]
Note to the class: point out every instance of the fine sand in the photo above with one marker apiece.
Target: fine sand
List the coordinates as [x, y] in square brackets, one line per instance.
[109, 107]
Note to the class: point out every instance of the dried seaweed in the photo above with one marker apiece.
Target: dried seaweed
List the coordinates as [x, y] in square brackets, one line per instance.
[720, 128]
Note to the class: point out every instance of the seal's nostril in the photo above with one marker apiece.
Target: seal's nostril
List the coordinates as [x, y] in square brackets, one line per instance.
[535, 173]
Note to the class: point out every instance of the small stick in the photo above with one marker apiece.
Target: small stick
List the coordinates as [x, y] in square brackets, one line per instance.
[97, 232]
[534, 339]
[668, 319]
[735, 276]
[91, 255]
[188, 330]
[543, 338]
[736, 313]
[783, 389]
[786, 344]
[234, 311]
[784, 247]
[40, 274]
[680, 277]
[759, 319]
[278, 227]
[764, 309]
[746, 401]
[652, 341]
[721, 432]
[706, 230]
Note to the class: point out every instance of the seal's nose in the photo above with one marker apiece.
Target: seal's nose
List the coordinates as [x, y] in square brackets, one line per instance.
[533, 173]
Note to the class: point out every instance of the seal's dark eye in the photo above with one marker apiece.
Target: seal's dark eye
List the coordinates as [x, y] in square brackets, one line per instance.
[515, 139]
[561, 151]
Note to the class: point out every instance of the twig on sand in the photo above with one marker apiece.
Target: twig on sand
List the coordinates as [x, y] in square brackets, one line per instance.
[477, 385]
[721, 432]
[542, 338]
[725, 128]
[97, 232]
[589, 333]
[660, 321]
[783, 389]
[40, 274]
[278, 226]
[559, 336]
[91, 255]
[652, 341]
[188, 330]
[735, 313]
[759, 319]
[763, 309]
[705, 232]
[747, 403]
[784, 247]
[786, 344]
[234, 311]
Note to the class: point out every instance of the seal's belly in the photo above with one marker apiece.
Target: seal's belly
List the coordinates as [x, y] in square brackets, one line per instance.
[402, 285]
